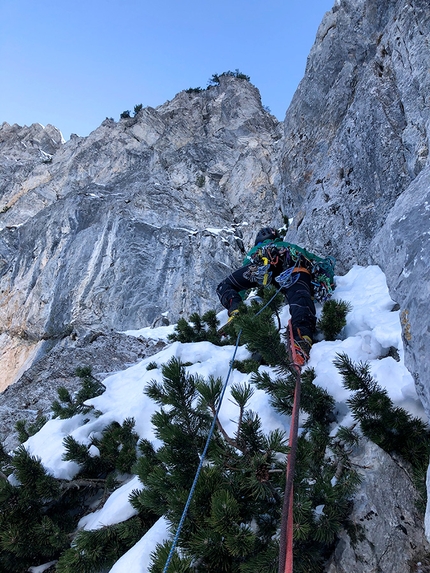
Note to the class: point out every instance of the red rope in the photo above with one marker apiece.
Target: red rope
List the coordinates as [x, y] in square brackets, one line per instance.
[286, 540]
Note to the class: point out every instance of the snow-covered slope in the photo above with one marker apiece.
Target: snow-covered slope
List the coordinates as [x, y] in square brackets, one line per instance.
[373, 329]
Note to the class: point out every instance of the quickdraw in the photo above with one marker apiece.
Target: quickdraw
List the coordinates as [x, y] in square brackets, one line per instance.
[287, 278]
[323, 289]
[259, 269]
[323, 286]
[259, 274]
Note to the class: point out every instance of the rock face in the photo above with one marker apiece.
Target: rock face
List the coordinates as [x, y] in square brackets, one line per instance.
[24, 154]
[356, 131]
[354, 162]
[402, 246]
[390, 537]
[146, 215]
[142, 217]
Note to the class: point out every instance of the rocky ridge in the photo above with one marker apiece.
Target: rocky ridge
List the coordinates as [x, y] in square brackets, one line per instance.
[142, 217]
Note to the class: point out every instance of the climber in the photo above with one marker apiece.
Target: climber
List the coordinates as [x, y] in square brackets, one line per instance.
[301, 276]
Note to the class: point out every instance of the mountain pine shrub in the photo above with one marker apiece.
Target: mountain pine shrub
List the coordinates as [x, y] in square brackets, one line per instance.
[234, 516]
[39, 513]
[95, 550]
[116, 448]
[200, 180]
[98, 550]
[259, 326]
[333, 318]
[215, 79]
[235, 510]
[233, 519]
[34, 525]
[246, 366]
[198, 329]
[67, 406]
[391, 427]
[25, 429]
[325, 481]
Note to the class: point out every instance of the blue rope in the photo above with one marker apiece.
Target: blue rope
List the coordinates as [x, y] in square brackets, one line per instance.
[203, 456]
[202, 459]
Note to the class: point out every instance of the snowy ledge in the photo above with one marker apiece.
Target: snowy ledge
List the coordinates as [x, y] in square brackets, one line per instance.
[373, 327]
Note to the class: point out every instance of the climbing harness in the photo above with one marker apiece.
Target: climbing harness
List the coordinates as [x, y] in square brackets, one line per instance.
[261, 261]
[294, 260]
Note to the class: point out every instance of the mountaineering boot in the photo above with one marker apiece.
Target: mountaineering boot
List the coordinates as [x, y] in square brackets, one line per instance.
[302, 348]
[298, 344]
[231, 317]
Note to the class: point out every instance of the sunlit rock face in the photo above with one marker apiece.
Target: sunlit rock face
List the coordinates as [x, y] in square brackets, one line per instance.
[354, 161]
[144, 216]
[147, 214]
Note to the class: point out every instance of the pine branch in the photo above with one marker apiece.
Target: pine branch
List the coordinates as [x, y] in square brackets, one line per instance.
[333, 318]
[389, 426]
[230, 441]
[79, 483]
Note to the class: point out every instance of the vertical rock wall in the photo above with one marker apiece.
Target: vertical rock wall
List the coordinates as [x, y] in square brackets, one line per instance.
[354, 164]
[144, 216]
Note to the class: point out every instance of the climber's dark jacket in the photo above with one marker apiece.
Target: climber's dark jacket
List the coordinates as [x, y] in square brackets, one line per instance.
[301, 274]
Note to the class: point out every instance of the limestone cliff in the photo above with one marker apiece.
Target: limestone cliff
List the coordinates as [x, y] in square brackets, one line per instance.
[354, 166]
[142, 217]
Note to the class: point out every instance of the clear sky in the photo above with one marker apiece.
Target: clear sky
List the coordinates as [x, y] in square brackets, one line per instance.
[73, 63]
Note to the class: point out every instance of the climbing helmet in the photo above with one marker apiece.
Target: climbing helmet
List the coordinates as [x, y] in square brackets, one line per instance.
[265, 234]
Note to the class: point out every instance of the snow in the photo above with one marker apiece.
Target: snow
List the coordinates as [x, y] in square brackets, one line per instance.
[138, 559]
[41, 568]
[214, 231]
[116, 509]
[160, 333]
[372, 328]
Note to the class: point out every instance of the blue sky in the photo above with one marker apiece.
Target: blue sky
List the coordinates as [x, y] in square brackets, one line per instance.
[72, 64]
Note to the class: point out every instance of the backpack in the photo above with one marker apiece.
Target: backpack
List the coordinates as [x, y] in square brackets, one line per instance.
[271, 253]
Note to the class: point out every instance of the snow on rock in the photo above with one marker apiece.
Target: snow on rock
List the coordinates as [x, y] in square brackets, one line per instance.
[137, 559]
[116, 509]
[159, 333]
[47, 444]
[372, 328]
